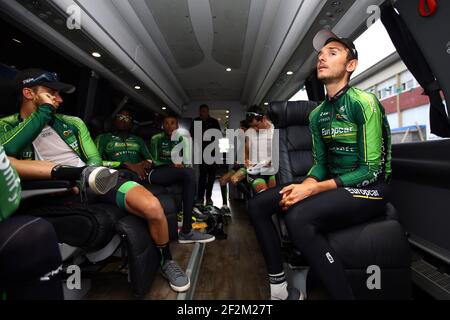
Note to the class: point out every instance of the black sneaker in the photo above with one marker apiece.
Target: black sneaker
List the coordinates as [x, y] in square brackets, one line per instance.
[198, 215]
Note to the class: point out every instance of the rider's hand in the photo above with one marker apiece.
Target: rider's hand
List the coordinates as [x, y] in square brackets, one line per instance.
[295, 193]
[137, 168]
[45, 98]
[238, 177]
[147, 164]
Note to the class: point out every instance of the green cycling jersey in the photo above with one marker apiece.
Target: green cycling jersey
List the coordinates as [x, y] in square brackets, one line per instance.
[116, 149]
[10, 190]
[161, 148]
[17, 135]
[351, 140]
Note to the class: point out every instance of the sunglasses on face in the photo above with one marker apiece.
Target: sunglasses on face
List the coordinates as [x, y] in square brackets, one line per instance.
[45, 77]
[253, 115]
[123, 118]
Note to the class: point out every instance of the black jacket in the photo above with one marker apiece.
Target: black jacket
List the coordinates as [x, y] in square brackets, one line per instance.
[210, 123]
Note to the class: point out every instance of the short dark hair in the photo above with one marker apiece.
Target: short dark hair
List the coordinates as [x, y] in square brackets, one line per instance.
[255, 112]
[204, 106]
[169, 116]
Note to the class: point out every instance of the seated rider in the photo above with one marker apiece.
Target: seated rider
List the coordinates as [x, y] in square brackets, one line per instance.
[259, 165]
[235, 175]
[166, 172]
[39, 133]
[352, 154]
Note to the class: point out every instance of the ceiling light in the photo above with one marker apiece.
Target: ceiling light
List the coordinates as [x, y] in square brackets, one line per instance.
[228, 111]
[289, 73]
[96, 55]
[137, 87]
[228, 69]
[228, 117]
[18, 41]
[164, 108]
[266, 103]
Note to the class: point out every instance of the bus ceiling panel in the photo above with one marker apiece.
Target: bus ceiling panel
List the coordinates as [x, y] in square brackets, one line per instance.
[284, 26]
[107, 23]
[230, 21]
[34, 18]
[173, 22]
[150, 53]
[347, 18]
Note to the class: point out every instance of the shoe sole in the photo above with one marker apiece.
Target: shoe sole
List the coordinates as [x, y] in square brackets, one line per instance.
[175, 288]
[181, 289]
[102, 180]
[197, 241]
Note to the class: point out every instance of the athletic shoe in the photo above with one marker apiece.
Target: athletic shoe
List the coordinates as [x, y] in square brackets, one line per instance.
[100, 180]
[198, 215]
[226, 210]
[209, 202]
[178, 279]
[195, 237]
[180, 216]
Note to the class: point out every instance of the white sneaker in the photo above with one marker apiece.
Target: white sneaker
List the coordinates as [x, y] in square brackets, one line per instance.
[100, 179]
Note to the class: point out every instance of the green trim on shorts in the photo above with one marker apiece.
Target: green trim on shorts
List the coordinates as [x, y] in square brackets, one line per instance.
[258, 182]
[272, 178]
[122, 192]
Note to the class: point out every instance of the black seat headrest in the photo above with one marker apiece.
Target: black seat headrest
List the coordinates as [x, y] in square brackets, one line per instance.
[147, 132]
[96, 126]
[290, 113]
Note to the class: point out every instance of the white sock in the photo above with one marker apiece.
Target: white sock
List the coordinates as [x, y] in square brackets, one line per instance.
[278, 286]
[278, 291]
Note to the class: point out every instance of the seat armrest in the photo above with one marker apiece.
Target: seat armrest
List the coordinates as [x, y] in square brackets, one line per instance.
[31, 189]
[47, 184]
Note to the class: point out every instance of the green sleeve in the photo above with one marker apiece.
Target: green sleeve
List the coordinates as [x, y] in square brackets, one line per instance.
[368, 116]
[319, 170]
[154, 151]
[144, 150]
[87, 146]
[10, 189]
[16, 139]
[100, 143]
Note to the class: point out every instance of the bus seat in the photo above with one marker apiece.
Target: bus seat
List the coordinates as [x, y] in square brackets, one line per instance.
[380, 243]
[96, 231]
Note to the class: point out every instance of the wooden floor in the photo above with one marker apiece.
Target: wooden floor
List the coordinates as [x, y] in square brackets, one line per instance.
[231, 269]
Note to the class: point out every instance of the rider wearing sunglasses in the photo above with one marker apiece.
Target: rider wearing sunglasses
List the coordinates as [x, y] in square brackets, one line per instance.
[121, 149]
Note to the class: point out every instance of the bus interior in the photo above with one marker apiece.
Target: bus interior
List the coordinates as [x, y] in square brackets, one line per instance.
[160, 57]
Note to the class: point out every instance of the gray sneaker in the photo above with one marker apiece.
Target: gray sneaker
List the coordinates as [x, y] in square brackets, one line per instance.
[195, 236]
[178, 279]
[100, 180]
